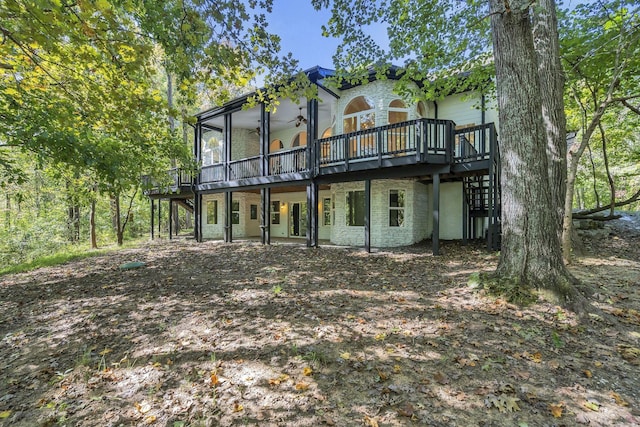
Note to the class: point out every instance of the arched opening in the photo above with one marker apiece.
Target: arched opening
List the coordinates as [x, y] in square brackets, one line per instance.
[300, 140]
[275, 145]
[359, 114]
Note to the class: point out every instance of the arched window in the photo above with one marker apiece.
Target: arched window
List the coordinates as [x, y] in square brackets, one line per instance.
[212, 150]
[359, 114]
[397, 136]
[422, 110]
[325, 147]
[300, 140]
[275, 145]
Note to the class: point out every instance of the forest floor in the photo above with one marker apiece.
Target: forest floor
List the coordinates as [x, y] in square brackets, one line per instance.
[217, 334]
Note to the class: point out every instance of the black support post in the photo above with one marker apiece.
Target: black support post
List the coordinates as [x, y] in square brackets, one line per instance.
[227, 146]
[152, 218]
[312, 215]
[159, 217]
[435, 237]
[228, 212]
[170, 219]
[465, 212]
[195, 181]
[265, 218]
[367, 215]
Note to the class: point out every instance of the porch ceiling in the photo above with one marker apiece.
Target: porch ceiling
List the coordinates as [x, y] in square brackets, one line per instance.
[283, 118]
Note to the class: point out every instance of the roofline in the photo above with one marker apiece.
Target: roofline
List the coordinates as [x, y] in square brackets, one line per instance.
[314, 74]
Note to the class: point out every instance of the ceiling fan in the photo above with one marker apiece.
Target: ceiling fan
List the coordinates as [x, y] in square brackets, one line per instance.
[300, 119]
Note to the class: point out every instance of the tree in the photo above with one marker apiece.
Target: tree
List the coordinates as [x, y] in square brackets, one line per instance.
[439, 40]
[601, 53]
[78, 80]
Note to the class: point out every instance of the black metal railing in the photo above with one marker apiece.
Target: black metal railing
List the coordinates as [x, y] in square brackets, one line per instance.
[212, 173]
[289, 161]
[245, 168]
[474, 143]
[428, 136]
[174, 178]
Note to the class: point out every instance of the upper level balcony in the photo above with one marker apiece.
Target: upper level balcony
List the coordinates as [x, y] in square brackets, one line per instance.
[415, 142]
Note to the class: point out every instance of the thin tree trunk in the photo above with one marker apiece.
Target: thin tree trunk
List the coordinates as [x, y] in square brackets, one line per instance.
[530, 256]
[7, 213]
[612, 184]
[92, 225]
[547, 45]
[175, 217]
[594, 176]
[115, 204]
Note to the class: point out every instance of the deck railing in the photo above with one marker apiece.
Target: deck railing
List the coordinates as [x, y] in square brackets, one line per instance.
[419, 138]
[429, 136]
[245, 168]
[289, 161]
[175, 177]
[212, 173]
[474, 143]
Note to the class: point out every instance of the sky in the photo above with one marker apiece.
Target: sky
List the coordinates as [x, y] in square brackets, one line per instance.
[300, 28]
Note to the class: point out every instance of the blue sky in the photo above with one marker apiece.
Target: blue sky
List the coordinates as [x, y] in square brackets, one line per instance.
[299, 26]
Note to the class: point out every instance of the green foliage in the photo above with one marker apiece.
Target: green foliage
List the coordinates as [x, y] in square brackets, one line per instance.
[509, 289]
[443, 45]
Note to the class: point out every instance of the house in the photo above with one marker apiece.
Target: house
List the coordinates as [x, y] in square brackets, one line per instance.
[359, 166]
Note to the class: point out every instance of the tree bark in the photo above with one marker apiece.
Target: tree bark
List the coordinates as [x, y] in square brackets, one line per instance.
[175, 217]
[115, 205]
[547, 46]
[530, 257]
[92, 225]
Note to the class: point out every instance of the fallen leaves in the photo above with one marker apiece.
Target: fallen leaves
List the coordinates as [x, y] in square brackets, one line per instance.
[5, 414]
[629, 353]
[556, 409]
[503, 402]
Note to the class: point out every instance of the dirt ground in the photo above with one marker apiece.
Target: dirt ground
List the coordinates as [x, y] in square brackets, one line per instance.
[219, 334]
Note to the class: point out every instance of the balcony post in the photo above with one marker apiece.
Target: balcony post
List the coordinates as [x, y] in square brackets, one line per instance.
[265, 217]
[228, 226]
[435, 235]
[367, 215]
[227, 146]
[170, 219]
[312, 215]
[265, 128]
[312, 134]
[159, 217]
[152, 218]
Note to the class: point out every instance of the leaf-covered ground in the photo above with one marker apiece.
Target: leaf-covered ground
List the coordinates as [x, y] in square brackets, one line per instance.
[241, 334]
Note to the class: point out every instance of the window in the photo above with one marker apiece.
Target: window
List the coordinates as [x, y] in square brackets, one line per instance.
[398, 111]
[275, 212]
[254, 211]
[355, 208]
[275, 145]
[397, 137]
[360, 114]
[325, 147]
[422, 110]
[326, 211]
[396, 208]
[212, 148]
[212, 211]
[300, 140]
[235, 212]
[465, 141]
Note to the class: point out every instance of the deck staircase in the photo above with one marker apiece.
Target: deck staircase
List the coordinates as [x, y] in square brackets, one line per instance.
[480, 198]
[185, 203]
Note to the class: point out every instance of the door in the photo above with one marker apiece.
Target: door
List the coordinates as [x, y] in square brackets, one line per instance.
[298, 219]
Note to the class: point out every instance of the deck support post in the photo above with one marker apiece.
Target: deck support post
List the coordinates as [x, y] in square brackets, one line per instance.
[312, 215]
[152, 218]
[228, 212]
[465, 213]
[170, 219]
[159, 217]
[197, 216]
[367, 215]
[265, 218]
[435, 237]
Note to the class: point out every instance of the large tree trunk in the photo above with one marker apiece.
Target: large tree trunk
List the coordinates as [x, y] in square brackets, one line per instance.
[175, 217]
[547, 46]
[530, 257]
